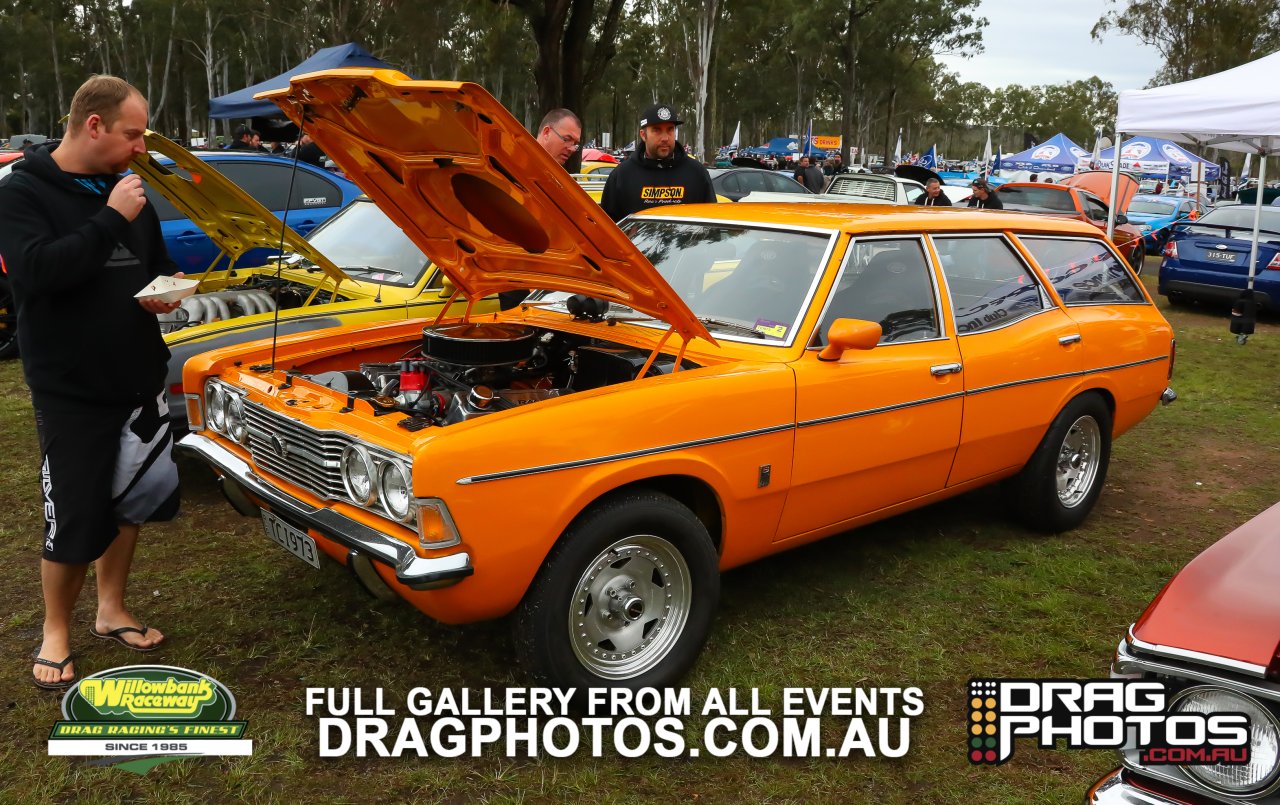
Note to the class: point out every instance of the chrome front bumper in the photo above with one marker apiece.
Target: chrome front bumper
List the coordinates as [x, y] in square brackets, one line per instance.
[1168, 395]
[413, 571]
[1114, 789]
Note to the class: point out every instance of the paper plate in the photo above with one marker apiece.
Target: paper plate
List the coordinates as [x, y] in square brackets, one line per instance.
[168, 289]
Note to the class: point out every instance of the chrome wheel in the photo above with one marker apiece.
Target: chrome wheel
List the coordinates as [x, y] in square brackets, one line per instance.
[630, 607]
[1078, 461]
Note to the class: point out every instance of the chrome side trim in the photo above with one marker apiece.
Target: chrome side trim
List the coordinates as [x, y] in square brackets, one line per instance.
[872, 411]
[648, 451]
[413, 571]
[1198, 657]
[1080, 373]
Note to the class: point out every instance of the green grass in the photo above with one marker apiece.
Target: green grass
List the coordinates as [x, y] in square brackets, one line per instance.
[930, 599]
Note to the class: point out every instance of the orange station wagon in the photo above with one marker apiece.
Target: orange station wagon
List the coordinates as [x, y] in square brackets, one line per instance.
[695, 389]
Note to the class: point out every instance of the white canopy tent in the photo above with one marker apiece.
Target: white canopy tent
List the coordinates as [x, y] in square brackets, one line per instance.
[1235, 110]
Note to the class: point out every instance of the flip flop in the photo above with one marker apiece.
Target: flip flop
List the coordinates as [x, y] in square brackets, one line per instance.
[61, 684]
[114, 634]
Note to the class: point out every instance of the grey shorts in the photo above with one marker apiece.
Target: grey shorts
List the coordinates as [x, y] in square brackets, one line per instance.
[99, 468]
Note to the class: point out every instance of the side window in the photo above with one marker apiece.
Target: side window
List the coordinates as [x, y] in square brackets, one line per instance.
[913, 192]
[989, 285]
[1083, 272]
[731, 184]
[266, 182]
[886, 281]
[781, 183]
[750, 181]
[1094, 208]
[311, 191]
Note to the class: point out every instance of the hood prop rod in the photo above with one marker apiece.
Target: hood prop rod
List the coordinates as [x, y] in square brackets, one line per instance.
[284, 226]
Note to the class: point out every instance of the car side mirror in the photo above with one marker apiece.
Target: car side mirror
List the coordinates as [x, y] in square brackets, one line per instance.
[447, 288]
[1121, 218]
[846, 334]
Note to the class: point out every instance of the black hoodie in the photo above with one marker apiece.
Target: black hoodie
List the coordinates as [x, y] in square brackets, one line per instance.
[640, 183]
[75, 265]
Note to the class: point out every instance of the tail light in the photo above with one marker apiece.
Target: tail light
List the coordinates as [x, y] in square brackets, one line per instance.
[1171, 249]
[1173, 355]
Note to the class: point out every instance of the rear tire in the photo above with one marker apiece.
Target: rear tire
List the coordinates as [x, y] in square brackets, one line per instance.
[1139, 257]
[625, 598]
[1059, 486]
[8, 321]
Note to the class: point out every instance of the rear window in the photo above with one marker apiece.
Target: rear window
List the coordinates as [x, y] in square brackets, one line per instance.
[1083, 272]
[1150, 208]
[1236, 216]
[1047, 198]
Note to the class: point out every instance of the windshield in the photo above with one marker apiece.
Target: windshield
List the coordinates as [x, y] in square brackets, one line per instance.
[1150, 208]
[364, 242]
[744, 284]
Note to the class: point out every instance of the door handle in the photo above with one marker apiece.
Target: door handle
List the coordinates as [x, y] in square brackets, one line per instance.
[1068, 340]
[945, 369]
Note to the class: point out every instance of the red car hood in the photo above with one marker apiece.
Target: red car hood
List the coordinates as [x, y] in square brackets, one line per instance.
[1224, 601]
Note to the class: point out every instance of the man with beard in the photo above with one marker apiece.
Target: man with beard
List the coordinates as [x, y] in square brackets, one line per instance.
[80, 241]
[658, 173]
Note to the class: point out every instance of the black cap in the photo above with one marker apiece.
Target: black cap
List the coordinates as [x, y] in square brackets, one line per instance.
[659, 113]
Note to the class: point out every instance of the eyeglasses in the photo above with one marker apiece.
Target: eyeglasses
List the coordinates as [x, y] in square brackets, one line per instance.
[567, 139]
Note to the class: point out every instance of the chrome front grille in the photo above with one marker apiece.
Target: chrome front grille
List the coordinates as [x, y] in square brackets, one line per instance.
[304, 456]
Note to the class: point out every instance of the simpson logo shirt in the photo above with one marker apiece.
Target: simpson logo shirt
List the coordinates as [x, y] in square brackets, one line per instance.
[641, 183]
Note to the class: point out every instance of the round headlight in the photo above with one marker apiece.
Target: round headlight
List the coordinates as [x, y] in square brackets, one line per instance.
[357, 475]
[217, 399]
[1264, 741]
[237, 426]
[397, 491]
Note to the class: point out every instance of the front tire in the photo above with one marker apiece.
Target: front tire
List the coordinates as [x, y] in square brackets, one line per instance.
[1059, 486]
[625, 598]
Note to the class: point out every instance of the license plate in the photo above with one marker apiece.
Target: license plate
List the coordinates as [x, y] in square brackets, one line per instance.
[291, 539]
[1221, 257]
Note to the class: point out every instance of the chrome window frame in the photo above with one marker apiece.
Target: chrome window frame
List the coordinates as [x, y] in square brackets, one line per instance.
[1046, 303]
[929, 264]
[1107, 246]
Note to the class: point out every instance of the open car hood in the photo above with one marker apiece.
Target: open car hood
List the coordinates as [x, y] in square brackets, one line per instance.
[1099, 184]
[232, 219]
[474, 190]
[916, 172]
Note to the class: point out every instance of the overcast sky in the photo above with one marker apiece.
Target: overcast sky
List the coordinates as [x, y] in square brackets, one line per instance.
[1047, 42]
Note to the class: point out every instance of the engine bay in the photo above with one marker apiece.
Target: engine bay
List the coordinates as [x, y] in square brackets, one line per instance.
[259, 294]
[467, 370]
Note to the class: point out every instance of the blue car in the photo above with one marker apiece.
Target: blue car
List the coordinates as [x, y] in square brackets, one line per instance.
[1155, 217]
[317, 195]
[1209, 258]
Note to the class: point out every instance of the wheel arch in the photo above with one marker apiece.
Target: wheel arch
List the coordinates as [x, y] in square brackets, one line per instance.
[690, 491]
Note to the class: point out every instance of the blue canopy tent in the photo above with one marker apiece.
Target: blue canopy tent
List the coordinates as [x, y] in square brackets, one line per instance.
[785, 147]
[241, 103]
[1156, 157]
[1055, 155]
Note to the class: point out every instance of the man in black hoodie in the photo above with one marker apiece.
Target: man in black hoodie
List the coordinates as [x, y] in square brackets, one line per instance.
[658, 173]
[79, 242]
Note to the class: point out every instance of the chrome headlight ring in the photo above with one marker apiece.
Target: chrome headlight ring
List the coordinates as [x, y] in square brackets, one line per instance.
[216, 397]
[359, 475]
[396, 491]
[1263, 767]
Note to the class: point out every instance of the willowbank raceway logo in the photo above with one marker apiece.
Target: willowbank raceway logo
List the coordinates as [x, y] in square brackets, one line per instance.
[1100, 714]
[140, 716]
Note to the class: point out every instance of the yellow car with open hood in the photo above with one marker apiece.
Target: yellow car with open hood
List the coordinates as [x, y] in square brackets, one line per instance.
[692, 389]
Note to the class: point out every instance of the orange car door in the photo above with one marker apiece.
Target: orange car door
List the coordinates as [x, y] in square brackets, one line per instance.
[1095, 286]
[878, 426]
[1020, 352]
